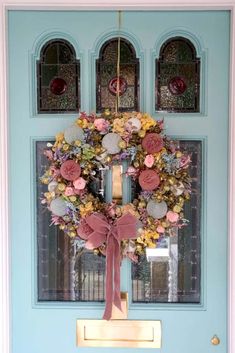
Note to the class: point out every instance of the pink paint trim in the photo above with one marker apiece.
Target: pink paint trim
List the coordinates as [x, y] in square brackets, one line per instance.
[4, 223]
[4, 205]
[118, 4]
[231, 228]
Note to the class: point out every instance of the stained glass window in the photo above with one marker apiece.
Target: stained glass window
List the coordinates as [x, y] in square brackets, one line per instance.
[58, 78]
[176, 276]
[177, 87]
[106, 77]
[65, 271]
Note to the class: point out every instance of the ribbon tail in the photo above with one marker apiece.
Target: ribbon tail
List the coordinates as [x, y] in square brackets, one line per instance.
[117, 264]
[109, 280]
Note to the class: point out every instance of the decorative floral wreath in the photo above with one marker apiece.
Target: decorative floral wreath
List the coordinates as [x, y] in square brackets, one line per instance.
[155, 163]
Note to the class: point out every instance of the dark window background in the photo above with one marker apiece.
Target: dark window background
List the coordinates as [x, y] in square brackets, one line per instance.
[58, 78]
[106, 75]
[65, 273]
[177, 87]
[176, 279]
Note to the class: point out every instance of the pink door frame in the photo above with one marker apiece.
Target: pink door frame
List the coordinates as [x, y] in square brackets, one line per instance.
[5, 267]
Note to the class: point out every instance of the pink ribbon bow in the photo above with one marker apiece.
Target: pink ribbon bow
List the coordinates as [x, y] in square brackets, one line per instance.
[96, 230]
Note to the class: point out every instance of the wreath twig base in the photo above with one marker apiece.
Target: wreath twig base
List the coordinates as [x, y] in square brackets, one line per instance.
[155, 164]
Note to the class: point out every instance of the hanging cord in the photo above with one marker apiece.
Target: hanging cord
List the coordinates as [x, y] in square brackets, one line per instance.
[118, 64]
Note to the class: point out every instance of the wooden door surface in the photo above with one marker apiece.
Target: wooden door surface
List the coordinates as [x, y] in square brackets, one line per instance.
[44, 325]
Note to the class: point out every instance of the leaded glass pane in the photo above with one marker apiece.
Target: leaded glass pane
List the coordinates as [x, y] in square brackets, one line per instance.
[176, 276]
[58, 78]
[65, 272]
[106, 77]
[177, 86]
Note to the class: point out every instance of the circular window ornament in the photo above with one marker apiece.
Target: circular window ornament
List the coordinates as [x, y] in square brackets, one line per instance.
[177, 85]
[58, 86]
[113, 83]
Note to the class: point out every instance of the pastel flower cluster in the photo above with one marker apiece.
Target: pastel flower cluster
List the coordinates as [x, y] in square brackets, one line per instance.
[92, 145]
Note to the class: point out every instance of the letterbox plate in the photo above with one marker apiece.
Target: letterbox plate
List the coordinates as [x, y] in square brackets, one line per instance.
[119, 333]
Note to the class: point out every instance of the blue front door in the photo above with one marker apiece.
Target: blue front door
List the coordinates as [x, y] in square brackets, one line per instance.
[197, 310]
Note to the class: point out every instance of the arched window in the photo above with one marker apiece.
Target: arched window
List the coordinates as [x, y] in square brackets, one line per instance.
[106, 76]
[58, 78]
[177, 86]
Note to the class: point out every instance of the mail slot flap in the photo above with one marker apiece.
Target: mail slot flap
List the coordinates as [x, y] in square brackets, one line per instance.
[119, 333]
[115, 332]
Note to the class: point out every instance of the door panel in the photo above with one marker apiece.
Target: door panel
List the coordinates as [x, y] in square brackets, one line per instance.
[51, 326]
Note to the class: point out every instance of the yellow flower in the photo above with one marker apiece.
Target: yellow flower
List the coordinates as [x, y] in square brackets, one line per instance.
[86, 209]
[73, 198]
[77, 143]
[66, 147]
[129, 208]
[122, 144]
[140, 240]
[147, 122]
[61, 187]
[165, 224]
[59, 137]
[129, 115]
[155, 235]
[118, 125]
[49, 195]
[163, 151]
[91, 126]
[45, 180]
[141, 133]
[139, 249]
[149, 235]
[178, 154]
[79, 122]
[151, 245]
[177, 208]
[139, 115]
[107, 112]
[83, 123]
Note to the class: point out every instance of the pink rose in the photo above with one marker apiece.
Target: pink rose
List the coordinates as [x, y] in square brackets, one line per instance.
[184, 161]
[86, 117]
[111, 209]
[56, 220]
[78, 192]
[172, 216]
[101, 124]
[172, 147]
[70, 170]
[152, 143]
[149, 160]
[55, 171]
[84, 230]
[79, 183]
[69, 191]
[149, 179]
[131, 171]
[161, 124]
[160, 229]
[48, 154]
[132, 257]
